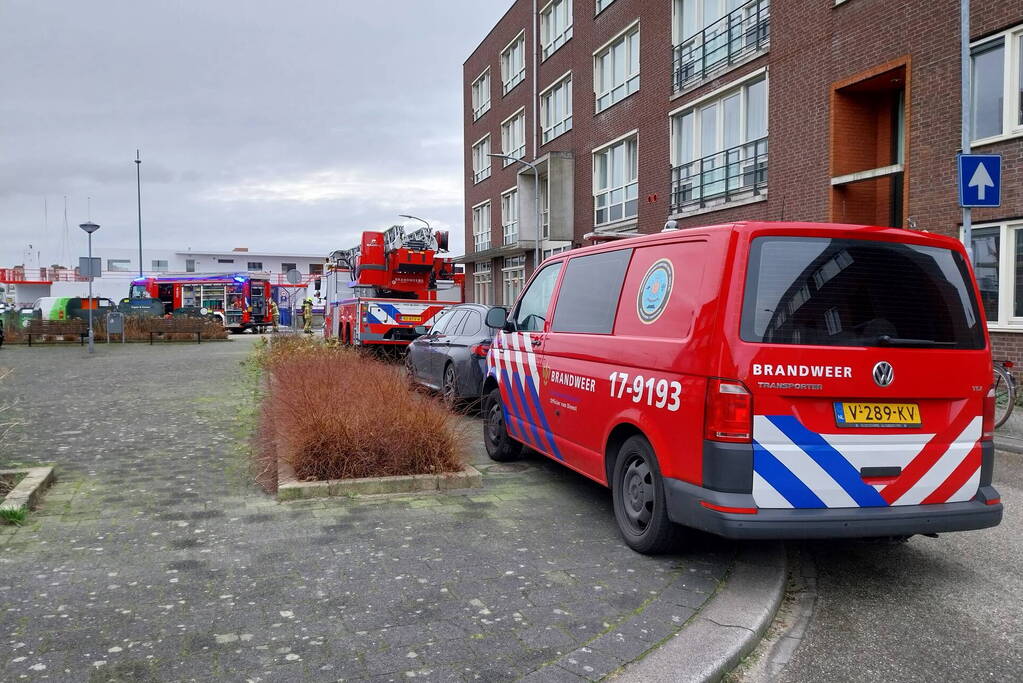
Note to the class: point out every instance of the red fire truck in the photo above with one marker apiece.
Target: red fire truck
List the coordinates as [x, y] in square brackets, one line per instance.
[240, 300]
[399, 284]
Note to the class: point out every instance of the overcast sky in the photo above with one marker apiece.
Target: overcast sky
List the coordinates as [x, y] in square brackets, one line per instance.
[286, 125]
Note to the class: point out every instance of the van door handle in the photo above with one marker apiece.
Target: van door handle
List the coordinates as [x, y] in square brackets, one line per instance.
[535, 342]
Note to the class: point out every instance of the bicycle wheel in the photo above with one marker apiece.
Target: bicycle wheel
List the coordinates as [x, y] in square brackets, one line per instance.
[1005, 395]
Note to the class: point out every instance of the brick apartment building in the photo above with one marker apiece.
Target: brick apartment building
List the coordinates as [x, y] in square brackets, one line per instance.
[639, 111]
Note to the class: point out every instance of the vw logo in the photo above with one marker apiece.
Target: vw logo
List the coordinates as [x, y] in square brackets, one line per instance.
[883, 374]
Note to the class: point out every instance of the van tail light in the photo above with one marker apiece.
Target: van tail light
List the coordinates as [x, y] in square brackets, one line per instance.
[729, 412]
[988, 424]
[480, 350]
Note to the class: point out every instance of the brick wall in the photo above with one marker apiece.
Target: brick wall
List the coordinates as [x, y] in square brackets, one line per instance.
[815, 48]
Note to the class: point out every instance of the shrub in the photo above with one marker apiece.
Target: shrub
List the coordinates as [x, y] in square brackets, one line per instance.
[133, 330]
[11, 515]
[337, 413]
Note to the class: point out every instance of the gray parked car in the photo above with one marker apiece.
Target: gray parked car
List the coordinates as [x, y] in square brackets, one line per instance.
[451, 356]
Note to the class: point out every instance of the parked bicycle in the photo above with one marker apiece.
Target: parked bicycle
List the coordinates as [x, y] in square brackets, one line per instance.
[1005, 391]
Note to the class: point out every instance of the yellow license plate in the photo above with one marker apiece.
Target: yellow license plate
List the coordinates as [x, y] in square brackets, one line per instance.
[412, 318]
[877, 414]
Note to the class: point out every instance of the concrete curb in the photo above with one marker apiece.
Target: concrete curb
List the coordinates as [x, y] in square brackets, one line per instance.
[729, 626]
[26, 493]
[1011, 444]
[469, 477]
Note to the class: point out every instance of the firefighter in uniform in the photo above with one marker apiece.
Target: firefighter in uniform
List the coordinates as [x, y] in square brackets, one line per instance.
[307, 316]
[275, 314]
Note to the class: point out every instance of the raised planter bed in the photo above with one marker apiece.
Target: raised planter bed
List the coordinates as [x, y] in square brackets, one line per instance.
[288, 488]
[31, 482]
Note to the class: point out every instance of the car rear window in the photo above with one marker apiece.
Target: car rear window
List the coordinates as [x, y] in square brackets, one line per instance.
[842, 292]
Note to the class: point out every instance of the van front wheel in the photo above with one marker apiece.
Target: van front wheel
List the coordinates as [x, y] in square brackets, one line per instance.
[638, 495]
[500, 446]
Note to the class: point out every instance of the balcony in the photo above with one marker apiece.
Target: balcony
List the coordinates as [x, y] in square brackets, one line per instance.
[730, 175]
[735, 38]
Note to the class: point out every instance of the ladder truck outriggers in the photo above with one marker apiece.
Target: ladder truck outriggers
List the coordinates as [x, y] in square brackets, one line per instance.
[394, 282]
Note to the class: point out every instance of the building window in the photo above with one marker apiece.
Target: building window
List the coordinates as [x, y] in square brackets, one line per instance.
[601, 5]
[547, 253]
[510, 216]
[316, 269]
[190, 265]
[255, 266]
[118, 265]
[513, 136]
[556, 109]
[719, 148]
[287, 267]
[160, 264]
[513, 274]
[555, 26]
[225, 260]
[482, 282]
[616, 69]
[998, 265]
[481, 95]
[513, 63]
[481, 160]
[481, 226]
[997, 94]
[709, 35]
[616, 182]
[545, 207]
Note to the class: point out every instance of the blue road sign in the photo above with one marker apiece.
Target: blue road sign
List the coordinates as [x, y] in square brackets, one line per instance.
[980, 180]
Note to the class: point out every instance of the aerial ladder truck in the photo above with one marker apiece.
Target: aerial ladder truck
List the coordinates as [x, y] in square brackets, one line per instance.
[379, 292]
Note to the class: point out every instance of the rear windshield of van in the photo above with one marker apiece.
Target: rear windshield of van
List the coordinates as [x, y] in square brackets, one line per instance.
[842, 292]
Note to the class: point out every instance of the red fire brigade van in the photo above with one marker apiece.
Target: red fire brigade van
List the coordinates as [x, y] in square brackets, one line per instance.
[757, 380]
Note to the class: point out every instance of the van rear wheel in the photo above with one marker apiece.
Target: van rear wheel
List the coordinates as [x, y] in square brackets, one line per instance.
[639, 504]
[500, 446]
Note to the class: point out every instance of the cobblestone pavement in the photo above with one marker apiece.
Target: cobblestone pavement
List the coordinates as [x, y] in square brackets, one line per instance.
[154, 559]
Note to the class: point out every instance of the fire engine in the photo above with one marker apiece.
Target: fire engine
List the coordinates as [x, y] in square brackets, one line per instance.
[393, 282]
[239, 300]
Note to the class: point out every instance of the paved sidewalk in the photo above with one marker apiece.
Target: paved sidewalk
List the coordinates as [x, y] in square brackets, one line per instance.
[154, 559]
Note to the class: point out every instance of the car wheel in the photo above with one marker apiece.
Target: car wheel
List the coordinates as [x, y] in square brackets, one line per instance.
[410, 373]
[500, 446]
[638, 494]
[449, 388]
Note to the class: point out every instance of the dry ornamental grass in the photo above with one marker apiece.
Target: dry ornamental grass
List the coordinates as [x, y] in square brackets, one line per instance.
[337, 413]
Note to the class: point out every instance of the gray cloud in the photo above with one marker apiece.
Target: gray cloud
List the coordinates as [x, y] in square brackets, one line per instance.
[262, 123]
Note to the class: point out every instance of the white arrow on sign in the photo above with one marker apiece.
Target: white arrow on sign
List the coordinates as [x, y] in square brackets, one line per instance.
[981, 180]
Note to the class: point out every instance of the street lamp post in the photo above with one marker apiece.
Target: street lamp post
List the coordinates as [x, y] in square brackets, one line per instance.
[536, 201]
[138, 188]
[90, 228]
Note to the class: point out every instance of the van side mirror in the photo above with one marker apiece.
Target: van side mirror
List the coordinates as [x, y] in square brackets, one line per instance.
[420, 329]
[497, 317]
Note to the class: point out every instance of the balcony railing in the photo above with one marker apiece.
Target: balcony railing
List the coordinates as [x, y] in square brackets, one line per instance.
[22, 274]
[732, 174]
[731, 39]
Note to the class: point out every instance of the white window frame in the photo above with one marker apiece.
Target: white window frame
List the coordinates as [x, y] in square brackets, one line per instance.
[510, 215]
[119, 265]
[482, 282]
[1012, 84]
[481, 88]
[161, 265]
[600, 6]
[614, 93]
[513, 73]
[553, 37]
[630, 184]
[545, 206]
[1009, 235]
[513, 136]
[480, 159]
[717, 97]
[513, 278]
[550, 128]
[481, 226]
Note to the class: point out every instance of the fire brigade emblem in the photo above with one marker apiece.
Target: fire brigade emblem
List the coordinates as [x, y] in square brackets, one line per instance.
[655, 291]
[546, 372]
